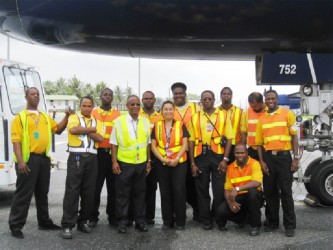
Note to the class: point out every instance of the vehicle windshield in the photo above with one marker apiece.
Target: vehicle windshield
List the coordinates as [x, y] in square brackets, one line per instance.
[17, 81]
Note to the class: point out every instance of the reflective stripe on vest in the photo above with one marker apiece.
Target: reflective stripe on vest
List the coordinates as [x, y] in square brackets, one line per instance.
[240, 178]
[87, 146]
[275, 130]
[215, 138]
[106, 122]
[191, 109]
[235, 125]
[25, 143]
[176, 140]
[129, 150]
[252, 120]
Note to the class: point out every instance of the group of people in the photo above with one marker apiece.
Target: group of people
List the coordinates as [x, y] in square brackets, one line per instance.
[246, 158]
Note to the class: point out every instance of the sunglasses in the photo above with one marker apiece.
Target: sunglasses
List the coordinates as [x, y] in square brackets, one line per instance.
[135, 104]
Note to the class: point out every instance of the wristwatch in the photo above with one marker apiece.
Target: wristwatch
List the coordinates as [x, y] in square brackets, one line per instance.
[297, 156]
[237, 189]
[225, 158]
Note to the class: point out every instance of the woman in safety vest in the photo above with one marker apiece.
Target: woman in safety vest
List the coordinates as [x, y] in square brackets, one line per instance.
[169, 140]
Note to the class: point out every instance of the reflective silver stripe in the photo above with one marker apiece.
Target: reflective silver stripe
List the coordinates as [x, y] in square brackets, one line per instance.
[82, 150]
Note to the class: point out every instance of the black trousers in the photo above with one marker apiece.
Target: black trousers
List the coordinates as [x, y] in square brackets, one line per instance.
[231, 154]
[131, 186]
[105, 174]
[151, 187]
[208, 165]
[191, 192]
[253, 153]
[36, 182]
[279, 184]
[251, 203]
[173, 192]
[80, 183]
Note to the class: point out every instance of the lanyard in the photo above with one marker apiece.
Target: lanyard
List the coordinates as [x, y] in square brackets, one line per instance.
[135, 128]
[36, 121]
[168, 135]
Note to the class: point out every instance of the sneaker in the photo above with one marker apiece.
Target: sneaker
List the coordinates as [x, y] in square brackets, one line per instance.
[93, 224]
[122, 229]
[289, 232]
[223, 228]
[67, 233]
[254, 231]
[150, 221]
[17, 233]
[141, 227]
[84, 227]
[207, 227]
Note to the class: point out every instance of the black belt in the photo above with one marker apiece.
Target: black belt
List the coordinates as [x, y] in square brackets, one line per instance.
[282, 152]
[106, 150]
[41, 154]
[81, 154]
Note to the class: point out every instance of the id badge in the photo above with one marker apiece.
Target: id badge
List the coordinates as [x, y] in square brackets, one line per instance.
[36, 135]
[169, 153]
[209, 127]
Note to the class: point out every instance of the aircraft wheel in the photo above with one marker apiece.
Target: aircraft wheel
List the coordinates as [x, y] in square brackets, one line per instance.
[309, 170]
[321, 183]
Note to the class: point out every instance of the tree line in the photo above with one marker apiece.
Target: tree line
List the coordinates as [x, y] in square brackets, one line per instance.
[75, 86]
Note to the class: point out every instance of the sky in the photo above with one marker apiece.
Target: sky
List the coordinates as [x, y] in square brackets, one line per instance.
[156, 75]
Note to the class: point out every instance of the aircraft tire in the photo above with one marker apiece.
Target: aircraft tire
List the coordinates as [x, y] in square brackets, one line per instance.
[321, 183]
[309, 170]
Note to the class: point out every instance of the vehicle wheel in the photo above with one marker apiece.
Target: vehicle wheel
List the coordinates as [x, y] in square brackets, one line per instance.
[309, 170]
[322, 183]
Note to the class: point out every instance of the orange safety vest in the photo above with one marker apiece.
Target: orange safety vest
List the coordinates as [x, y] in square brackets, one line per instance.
[153, 118]
[239, 178]
[191, 109]
[216, 137]
[252, 120]
[107, 125]
[275, 130]
[176, 140]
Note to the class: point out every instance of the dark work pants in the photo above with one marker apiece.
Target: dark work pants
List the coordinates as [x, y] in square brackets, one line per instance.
[36, 182]
[80, 183]
[131, 186]
[208, 165]
[279, 183]
[253, 153]
[151, 187]
[173, 192]
[250, 202]
[191, 192]
[105, 174]
[231, 155]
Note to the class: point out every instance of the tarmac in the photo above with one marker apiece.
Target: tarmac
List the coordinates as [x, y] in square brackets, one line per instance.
[314, 226]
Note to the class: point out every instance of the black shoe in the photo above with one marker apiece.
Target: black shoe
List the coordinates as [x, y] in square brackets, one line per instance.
[129, 223]
[150, 221]
[93, 223]
[240, 225]
[196, 215]
[289, 232]
[67, 233]
[181, 228]
[270, 228]
[254, 231]
[113, 223]
[17, 233]
[50, 226]
[84, 227]
[122, 229]
[223, 228]
[141, 227]
[207, 227]
[166, 227]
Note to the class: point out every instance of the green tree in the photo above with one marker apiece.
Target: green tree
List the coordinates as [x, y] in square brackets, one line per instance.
[118, 94]
[128, 91]
[193, 97]
[49, 88]
[75, 87]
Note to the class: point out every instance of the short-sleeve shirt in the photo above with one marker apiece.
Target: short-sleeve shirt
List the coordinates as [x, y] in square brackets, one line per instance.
[36, 124]
[256, 173]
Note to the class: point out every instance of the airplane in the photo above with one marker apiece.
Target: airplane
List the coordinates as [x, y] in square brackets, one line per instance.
[290, 41]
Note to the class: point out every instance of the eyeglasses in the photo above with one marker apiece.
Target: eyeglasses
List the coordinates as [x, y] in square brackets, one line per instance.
[135, 104]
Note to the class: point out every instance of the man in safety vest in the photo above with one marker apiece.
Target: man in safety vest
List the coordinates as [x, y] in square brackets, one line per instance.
[234, 114]
[276, 136]
[243, 193]
[31, 135]
[209, 147]
[83, 136]
[130, 146]
[249, 122]
[147, 110]
[105, 115]
[184, 111]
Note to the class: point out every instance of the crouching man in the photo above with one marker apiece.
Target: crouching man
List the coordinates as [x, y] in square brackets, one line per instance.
[243, 194]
